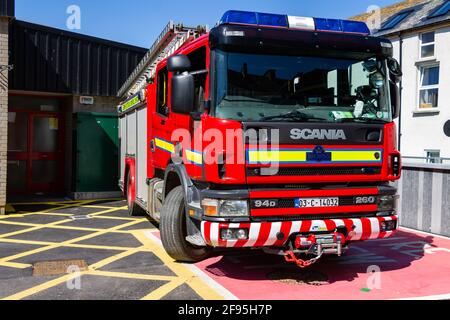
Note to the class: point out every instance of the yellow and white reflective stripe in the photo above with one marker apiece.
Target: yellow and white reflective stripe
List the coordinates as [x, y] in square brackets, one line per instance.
[302, 156]
[268, 156]
[164, 145]
[194, 157]
[356, 156]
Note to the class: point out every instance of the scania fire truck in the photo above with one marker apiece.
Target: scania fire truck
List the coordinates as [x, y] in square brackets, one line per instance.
[268, 131]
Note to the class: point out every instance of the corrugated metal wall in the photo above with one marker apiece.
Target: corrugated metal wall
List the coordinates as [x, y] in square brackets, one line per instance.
[425, 198]
[7, 8]
[52, 60]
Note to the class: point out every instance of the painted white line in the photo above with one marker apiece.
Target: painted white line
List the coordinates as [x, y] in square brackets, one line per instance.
[211, 282]
[198, 272]
[437, 297]
[426, 233]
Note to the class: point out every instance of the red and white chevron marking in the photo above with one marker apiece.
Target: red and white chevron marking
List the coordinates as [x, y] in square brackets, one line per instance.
[265, 234]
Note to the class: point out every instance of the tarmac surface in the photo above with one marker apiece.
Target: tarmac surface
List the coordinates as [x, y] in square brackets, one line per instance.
[126, 261]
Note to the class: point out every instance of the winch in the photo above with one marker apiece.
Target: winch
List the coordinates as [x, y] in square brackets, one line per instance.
[315, 245]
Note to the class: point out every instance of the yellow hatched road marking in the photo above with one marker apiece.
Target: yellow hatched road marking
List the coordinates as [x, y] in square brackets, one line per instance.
[15, 265]
[164, 290]
[42, 287]
[67, 277]
[23, 224]
[199, 286]
[64, 243]
[127, 275]
[183, 274]
[71, 245]
[43, 226]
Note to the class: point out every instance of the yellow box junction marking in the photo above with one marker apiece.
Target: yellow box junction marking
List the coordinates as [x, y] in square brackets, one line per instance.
[183, 273]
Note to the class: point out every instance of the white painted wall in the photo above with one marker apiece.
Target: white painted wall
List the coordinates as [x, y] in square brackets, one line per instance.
[422, 131]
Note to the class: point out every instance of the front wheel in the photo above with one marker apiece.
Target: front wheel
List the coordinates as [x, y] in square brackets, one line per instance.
[173, 230]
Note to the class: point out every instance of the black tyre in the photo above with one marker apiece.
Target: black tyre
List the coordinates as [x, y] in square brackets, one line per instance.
[173, 230]
[133, 209]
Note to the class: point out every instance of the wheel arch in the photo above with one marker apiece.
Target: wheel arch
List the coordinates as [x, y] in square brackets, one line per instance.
[175, 176]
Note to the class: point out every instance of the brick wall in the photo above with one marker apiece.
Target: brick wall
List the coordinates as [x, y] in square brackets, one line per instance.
[101, 105]
[4, 57]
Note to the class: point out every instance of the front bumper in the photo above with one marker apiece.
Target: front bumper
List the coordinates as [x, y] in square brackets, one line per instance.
[268, 234]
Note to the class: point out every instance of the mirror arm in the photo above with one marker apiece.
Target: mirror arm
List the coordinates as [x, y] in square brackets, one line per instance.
[199, 72]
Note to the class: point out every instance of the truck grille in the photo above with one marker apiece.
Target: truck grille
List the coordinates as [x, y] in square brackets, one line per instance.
[328, 171]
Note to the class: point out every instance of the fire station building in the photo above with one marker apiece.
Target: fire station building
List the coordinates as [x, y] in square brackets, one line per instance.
[58, 122]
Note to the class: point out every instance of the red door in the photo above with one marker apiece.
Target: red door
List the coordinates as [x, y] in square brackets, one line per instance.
[162, 122]
[35, 153]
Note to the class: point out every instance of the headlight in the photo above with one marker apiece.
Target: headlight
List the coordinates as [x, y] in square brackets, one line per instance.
[388, 203]
[225, 208]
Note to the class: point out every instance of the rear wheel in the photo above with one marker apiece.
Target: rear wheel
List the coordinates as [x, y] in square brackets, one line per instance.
[133, 209]
[173, 230]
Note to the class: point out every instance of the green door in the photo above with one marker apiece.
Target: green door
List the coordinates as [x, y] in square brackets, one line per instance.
[96, 152]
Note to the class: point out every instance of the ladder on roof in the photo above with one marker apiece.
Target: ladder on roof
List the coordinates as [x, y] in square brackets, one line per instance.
[172, 37]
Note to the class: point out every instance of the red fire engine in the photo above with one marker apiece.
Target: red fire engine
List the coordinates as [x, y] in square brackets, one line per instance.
[268, 131]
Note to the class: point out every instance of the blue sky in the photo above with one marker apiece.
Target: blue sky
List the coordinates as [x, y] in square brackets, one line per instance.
[120, 19]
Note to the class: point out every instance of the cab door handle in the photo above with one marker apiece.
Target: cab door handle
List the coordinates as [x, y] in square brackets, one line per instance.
[152, 146]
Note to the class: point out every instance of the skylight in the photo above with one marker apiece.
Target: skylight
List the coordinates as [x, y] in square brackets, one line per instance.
[395, 20]
[443, 9]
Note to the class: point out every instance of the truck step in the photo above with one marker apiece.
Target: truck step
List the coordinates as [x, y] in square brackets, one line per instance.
[196, 240]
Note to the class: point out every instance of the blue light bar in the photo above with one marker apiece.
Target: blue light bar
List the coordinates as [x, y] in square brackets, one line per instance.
[279, 20]
[255, 18]
[341, 26]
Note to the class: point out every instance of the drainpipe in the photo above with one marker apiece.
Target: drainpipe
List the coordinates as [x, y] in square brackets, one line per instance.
[401, 95]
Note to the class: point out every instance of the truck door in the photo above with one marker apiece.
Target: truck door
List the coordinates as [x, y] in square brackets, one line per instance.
[161, 145]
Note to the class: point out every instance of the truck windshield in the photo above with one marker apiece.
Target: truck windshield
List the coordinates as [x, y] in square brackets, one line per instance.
[254, 87]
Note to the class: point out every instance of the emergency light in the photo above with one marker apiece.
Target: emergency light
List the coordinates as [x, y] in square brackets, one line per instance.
[293, 22]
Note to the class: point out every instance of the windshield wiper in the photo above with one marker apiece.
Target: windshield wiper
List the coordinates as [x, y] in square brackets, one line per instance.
[365, 120]
[294, 115]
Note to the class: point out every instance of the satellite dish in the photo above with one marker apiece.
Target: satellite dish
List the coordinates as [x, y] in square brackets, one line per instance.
[447, 128]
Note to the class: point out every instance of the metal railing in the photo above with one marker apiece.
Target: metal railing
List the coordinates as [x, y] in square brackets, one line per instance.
[427, 160]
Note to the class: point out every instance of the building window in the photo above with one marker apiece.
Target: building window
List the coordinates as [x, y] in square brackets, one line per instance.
[162, 92]
[433, 156]
[429, 87]
[427, 45]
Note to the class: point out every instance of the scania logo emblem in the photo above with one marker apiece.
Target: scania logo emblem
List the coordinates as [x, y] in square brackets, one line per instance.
[317, 134]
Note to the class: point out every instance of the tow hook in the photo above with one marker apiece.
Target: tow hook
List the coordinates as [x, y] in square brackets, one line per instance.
[316, 245]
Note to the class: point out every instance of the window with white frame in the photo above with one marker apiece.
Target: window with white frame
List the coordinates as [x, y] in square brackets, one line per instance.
[429, 87]
[427, 45]
[433, 156]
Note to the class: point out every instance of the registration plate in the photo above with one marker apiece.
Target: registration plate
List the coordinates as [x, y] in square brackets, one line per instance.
[316, 202]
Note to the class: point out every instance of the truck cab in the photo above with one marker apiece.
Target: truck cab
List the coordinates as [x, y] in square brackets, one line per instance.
[271, 132]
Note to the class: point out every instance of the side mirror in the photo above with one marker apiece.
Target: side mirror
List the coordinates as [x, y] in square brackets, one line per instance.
[395, 99]
[178, 63]
[183, 93]
[395, 70]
